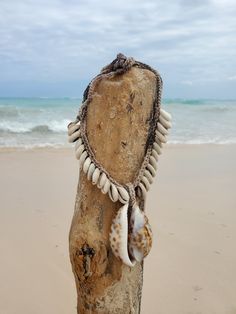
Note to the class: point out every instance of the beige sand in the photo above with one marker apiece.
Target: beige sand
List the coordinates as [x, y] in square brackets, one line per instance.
[192, 209]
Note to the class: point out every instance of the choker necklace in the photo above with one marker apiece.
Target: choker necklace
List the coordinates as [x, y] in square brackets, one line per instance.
[130, 235]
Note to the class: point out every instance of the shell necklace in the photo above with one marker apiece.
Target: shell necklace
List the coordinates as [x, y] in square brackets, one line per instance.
[130, 235]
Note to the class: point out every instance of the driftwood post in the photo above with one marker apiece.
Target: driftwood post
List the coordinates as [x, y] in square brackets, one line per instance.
[117, 127]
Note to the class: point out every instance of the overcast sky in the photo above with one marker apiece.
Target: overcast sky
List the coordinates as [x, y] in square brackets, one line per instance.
[54, 47]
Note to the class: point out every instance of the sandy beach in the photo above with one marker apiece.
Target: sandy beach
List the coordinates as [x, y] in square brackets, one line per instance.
[192, 210]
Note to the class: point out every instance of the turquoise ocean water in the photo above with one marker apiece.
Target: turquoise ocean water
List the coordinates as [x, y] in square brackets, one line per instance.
[42, 122]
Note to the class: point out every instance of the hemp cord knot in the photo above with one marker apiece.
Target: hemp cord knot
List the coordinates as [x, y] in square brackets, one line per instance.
[120, 65]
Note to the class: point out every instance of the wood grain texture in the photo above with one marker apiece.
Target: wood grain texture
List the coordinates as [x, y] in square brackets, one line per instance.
[117, 127]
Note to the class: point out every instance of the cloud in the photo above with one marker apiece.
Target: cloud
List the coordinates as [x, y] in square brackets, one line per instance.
[61, 40]
[190, 83]
[232, 78]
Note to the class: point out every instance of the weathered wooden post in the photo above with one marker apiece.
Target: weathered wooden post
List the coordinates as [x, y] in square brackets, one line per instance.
[120, 118]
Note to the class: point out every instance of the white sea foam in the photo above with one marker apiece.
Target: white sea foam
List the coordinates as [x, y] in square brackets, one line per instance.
[202, 141]
[25, 127]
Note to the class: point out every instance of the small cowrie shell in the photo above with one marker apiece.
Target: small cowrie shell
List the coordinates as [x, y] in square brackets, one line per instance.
[154, 154]
[90, 171]
[165, 115]
[161, 129]
[148, 175]
[161, 137]
[86, 165]
[95, 176]
[123, 194]
[106, 186]
[153, 162]
[146, 183]
[151, 169]
[102, 180]
[73, 128]
[144, 191]
[157, 148]
[79, 151]
[78, 143]
[113, 193]
[72, 138]
[164, 122]
[82, 158]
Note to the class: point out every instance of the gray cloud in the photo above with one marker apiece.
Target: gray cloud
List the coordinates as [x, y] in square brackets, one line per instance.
[62, 41]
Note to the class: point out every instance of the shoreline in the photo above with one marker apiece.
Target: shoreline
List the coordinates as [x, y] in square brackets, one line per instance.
[68, 148]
